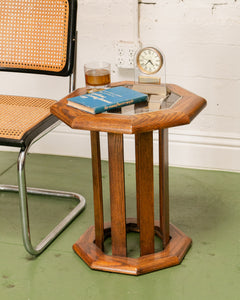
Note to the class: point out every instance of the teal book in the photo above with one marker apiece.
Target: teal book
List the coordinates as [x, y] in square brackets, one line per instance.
[105, 100]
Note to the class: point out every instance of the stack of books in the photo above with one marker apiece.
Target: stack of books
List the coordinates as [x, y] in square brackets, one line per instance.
[106, 100]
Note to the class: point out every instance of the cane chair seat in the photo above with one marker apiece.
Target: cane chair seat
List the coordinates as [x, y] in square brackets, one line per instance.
[21, 114]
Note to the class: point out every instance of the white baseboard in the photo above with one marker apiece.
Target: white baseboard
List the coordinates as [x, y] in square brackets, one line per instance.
[215, 151]
[188, 149]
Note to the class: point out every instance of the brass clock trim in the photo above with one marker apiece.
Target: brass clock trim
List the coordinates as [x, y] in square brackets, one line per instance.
[156, 51]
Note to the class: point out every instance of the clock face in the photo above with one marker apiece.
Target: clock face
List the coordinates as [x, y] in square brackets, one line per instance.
[149, 60]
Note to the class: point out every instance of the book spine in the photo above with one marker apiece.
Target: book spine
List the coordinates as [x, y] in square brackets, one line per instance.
[99, 110]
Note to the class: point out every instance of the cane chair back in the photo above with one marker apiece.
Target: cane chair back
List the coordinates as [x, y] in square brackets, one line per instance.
[37, 36]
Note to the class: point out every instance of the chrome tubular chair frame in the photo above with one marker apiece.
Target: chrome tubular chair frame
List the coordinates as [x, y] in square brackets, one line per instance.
[23, 190]
[23, 202]
[67, 67]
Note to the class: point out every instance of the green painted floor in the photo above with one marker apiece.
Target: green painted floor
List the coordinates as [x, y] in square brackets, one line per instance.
[204, 204]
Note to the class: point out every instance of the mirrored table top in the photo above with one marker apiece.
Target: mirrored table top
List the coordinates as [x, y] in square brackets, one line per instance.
[164, 102]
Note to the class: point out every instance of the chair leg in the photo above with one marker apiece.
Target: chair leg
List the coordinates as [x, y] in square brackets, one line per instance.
[23, 190]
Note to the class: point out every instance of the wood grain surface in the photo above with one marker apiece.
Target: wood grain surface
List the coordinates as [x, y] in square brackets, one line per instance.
[117, 194]
[97, 189]
[164, 185]
[182, 112]
[145, 194]
[96, 259]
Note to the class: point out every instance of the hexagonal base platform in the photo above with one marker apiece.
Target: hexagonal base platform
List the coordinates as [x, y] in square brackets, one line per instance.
[172, 255]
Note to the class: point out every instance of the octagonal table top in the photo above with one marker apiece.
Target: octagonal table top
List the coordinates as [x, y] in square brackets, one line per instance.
[181, 108]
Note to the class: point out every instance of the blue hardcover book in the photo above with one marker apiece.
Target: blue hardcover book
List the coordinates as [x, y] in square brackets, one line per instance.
[105, 100]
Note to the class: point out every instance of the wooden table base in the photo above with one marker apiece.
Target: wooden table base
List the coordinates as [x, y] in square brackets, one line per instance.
[96, 259]
[90, 246]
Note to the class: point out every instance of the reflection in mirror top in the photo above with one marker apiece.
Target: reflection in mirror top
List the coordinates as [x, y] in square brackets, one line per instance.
[145, 107]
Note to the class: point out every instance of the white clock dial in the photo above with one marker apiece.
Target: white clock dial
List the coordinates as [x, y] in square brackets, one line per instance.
[149, 60]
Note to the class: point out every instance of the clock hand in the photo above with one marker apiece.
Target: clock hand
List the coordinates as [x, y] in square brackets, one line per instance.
[149, 61]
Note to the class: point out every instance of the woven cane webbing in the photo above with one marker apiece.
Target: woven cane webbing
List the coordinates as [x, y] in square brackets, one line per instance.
[33, 34]
[19, 114]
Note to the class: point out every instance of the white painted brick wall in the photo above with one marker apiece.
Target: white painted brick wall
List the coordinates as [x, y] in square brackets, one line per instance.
[201, 42]
[100, 25]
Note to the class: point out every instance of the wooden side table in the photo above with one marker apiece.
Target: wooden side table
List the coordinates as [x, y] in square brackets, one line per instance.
[89, 247]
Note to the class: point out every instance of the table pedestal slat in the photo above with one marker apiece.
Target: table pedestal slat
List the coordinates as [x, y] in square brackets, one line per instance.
[97, 189]
[117, 194]
[145, 193]
[163, 186]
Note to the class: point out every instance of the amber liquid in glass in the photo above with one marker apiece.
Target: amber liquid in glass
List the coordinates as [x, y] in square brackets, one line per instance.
[98, 77]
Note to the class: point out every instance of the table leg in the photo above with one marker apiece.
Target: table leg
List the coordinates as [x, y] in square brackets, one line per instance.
[97, 189]
[145, 194]
[117, 194]
[163, 185]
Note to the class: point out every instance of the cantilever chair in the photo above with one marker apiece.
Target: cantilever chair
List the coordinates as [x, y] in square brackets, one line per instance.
[35, 37]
